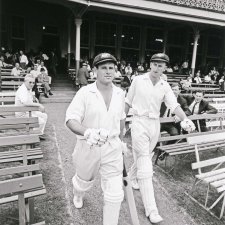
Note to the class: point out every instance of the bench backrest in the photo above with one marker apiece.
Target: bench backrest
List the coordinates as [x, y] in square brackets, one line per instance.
[7, 100]
[10, 109]
[19, 123]
[22, 184]
[19, 140]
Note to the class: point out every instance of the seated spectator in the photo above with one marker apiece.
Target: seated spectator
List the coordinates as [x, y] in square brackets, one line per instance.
[186, 84]
[221, 83]
[169, 69]
[176, 68]
[43, 78]
[23, 60]
[141, 68]
[42, 66]
[174, 128]
[117, 72]
[35, 71]
[198, 105]
[128, 69]
[214, 74]
[164, 77]
[24, 97]
[207, 79]
[16, 70]
[197, 78]
[184, 67]
[3, 64]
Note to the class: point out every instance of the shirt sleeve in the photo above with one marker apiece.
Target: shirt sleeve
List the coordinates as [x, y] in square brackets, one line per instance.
[76, 109]
[123, 114]
[170, 99]
[131, 92]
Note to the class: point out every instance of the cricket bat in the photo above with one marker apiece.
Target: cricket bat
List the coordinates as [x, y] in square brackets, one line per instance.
[130, 197]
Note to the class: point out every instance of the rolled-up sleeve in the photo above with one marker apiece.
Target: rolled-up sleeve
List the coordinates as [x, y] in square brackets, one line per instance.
[170, 99]
[131, 93]
[76, 108]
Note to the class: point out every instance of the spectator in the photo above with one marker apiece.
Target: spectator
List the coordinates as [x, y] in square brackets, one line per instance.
[25, 97]
[82, 75]
[207, 79]
[214, 74]
[169, 69]
[43, 78]
[184, 67]
[3, 64]
[16, 70]
[174, 128]
[23, 60]
[198, 105]
[35, 71]
[198, 79]
[128, 69]
[141, 68]
[53, 62]
[176, 68]
[221, 83]
[42, 66]
[117, 72]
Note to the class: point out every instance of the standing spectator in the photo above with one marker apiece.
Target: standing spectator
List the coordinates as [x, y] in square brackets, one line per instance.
[96, 115]
[23, 60]
[42, 66]
[221, 83]
[82, 75]
[24, 97]
[145, 96]
[128, 69]
[16, 70]
[53, 62]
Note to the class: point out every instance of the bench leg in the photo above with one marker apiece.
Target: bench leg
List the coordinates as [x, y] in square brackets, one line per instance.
[22, 209]
[217, 200]
[157, 157]
[29, 203]
[223, 206]
[207, 196]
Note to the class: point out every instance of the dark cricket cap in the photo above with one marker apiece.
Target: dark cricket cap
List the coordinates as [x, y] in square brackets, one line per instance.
[104, 57]
[160, 57]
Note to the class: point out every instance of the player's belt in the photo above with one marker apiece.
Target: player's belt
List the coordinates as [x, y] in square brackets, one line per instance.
[147, 115]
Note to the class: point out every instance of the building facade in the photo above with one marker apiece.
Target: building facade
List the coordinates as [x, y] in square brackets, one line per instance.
[131, 30]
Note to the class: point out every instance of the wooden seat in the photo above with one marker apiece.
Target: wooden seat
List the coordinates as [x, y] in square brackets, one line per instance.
[22, 189]
[214, 177]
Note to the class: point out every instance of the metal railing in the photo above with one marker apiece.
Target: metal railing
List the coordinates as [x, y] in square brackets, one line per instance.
[212, 5]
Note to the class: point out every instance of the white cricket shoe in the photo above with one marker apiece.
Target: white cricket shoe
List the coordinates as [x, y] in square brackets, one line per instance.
[155, 217]
[78, 201]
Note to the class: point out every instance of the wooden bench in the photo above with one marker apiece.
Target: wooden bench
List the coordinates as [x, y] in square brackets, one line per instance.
[11, 84]
[218, 100]
[26, 154]
[183, 149]
[213, 177]
[9, 110]
[219, 106]
[22, 189]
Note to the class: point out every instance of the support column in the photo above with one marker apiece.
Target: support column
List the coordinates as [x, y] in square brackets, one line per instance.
[119, 40]
[142, 44]
[69, 42]
[78, 23]
[92, 35]
[196, 37]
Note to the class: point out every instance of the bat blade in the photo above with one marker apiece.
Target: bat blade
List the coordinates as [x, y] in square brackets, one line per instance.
[130, 198]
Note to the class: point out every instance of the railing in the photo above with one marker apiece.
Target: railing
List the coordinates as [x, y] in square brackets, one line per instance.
[212, 5]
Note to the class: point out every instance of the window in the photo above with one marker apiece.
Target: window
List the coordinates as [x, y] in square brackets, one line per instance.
[130, 36]
[18, 27]
[155, 39]
[105, 34]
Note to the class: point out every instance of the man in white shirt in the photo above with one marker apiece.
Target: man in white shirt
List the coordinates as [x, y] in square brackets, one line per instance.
[16, 70]
[128, 69]
[35, 71]
[145, 96]
[198, 79]
[96, 115]
[2, 62]
[25, 97]
[42, 65]
[23, 60]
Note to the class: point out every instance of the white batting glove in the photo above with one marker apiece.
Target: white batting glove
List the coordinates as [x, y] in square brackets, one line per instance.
[187, 125]
[92, 136]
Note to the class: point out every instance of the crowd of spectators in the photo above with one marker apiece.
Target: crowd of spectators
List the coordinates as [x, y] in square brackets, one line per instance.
[40, 65]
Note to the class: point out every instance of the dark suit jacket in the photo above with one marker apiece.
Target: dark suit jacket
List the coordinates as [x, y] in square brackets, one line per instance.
[204, 107]
[183, 103]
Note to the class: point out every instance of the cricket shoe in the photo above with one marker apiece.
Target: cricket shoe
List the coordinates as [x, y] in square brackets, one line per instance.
[77, 201]
[154, 217]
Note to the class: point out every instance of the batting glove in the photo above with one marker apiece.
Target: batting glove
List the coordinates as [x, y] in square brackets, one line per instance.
[187, 125]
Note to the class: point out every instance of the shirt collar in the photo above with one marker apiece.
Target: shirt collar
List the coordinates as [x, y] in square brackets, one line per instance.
[146, 77]
[93, 88]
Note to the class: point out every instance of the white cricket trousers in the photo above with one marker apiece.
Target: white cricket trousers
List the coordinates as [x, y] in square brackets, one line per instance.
[145, 134]
[42, 120]
[108, 161]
